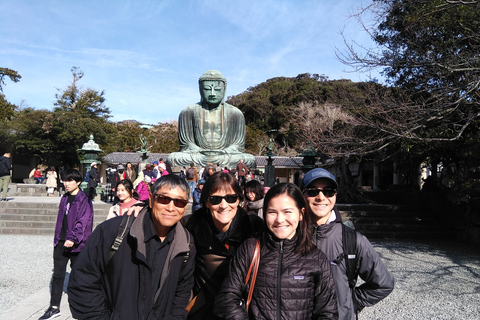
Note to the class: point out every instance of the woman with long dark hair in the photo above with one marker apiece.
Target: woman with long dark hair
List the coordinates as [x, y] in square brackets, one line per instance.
[127, 196]
[294, 280]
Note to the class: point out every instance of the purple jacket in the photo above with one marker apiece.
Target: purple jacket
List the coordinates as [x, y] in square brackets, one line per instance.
[142, 191]
[79, 221]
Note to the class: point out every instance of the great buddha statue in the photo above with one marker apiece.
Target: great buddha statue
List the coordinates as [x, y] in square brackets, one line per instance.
[211, 131]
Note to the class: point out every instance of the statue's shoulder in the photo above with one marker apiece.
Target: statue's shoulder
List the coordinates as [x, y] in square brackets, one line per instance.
[191, 108]
[231, 108]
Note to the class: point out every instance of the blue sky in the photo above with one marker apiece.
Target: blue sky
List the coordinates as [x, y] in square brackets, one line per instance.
[148, 55]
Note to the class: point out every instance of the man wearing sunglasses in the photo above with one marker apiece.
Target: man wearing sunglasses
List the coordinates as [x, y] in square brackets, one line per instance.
[320, 193]
[150, 275]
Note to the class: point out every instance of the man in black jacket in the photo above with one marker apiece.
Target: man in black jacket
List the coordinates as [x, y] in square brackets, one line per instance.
[5, 168]
[94, 179]
[150, 276]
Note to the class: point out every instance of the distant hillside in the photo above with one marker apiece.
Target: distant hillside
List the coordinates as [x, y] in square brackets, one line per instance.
[273, 104]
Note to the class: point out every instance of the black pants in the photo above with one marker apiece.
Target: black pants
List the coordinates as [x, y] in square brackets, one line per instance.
[61, 255]
[91, 193]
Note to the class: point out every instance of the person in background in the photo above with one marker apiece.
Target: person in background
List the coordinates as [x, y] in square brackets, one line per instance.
[60, 186]
[150, 276]
[253, 203]
[209, 171]
[192, 177]
[93, 181]
[111, 180]
[149, 172]
[143, 189]
[182, 174]
[319, 187]
[121, 172]
[219, 227]
[37, 175]
[196, 196]
[127, 198]
[51, 176]
[294, 279]
[162, 164]
[241, 172]
[5, 169]
[164, 172]
[130, 173]
[72, 230]
[117, 176]
[156, 171]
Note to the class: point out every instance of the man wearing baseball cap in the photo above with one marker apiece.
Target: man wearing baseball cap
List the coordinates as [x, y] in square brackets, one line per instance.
[319, 188]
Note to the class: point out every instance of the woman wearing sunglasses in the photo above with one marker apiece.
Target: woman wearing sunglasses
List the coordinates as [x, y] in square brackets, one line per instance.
[219, 228]
[294, 279]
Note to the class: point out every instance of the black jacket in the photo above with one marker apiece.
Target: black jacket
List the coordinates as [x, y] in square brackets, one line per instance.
[213, 256]
[94, 178]
[5, 166]
[121, 288]
[288, 285]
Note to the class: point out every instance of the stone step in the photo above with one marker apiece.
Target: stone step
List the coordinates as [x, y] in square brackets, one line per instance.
[40, 218]
[384, 221]
[393, 208]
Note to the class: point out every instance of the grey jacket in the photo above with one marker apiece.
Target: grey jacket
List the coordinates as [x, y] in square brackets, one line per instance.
[378, 280]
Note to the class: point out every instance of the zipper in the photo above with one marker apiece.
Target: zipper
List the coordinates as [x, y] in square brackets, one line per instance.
[279, 282]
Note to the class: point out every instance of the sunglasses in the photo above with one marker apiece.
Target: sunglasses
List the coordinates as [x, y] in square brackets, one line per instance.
[327, 192]
[179, 203]
[230, 198]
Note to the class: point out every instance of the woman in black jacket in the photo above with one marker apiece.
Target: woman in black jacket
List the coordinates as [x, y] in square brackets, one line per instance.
[219, 227]
[294, 280]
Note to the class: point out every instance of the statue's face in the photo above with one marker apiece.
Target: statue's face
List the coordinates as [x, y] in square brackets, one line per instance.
[212, 92]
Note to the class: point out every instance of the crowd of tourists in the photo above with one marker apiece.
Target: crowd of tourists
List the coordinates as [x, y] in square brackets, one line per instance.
[245, 251]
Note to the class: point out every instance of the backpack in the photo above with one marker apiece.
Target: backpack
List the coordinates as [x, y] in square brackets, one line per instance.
[349, 243]
[87, 176]
[190, 174]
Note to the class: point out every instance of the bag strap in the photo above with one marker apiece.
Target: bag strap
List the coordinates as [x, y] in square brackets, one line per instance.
[253, 266]
[349, 242]
[123, 229]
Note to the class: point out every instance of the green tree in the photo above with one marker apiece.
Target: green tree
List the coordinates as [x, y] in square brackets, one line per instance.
[164, 137]
[7, 109]
[56, 136]
[12, 74]
[122, 137]
[30, 135]
[429, 51]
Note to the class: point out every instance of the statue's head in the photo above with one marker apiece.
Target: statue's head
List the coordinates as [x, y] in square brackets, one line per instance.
[212, 85]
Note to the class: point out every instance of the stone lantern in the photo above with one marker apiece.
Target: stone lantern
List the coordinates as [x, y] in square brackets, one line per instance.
[309, 158]
[269, 178]
[91, 151]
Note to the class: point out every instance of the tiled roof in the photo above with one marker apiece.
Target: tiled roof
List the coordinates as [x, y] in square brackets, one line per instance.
[116, 158]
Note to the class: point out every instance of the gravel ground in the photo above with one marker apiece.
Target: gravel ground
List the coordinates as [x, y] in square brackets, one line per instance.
[26, 266]
[434, 280]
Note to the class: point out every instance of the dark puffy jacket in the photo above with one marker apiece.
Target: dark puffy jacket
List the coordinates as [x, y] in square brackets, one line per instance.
[288, 285]
[121, 287]
[378, 282]
[213, 256]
